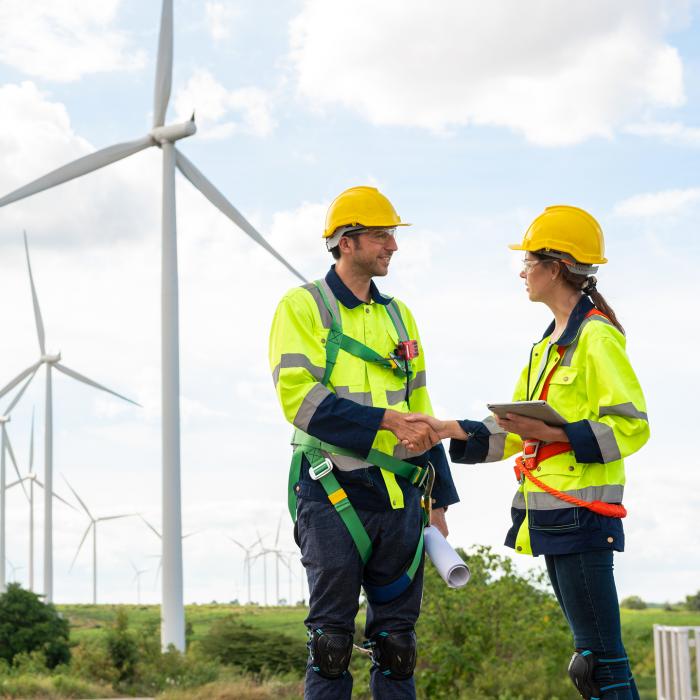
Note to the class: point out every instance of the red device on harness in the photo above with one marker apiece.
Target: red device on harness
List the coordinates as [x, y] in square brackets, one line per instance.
[407, 349]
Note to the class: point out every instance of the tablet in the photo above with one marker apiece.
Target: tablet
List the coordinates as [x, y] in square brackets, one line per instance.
[530, 409]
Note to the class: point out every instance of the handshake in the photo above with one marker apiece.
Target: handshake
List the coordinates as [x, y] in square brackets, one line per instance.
[419, 432]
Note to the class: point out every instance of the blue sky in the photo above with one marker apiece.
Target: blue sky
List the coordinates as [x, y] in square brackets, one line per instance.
[471, 119]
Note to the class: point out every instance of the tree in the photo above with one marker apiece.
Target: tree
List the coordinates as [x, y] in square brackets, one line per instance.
[633, 602]
[27, 624]
[502, 636]
[692, 602]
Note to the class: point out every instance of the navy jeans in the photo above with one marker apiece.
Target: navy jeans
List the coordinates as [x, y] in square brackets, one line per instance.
[334, 570]
[585, 588]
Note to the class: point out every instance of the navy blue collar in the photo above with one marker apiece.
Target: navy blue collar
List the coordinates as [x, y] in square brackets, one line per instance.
[583, 306]
[346, 297]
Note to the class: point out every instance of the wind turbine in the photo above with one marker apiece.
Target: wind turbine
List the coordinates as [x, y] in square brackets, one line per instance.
[164, 137]
[247, 561]
[32, 478]
[137, 577]
[279, 556]
[92, 526]
[160, 537]
[14, 568]
[51, 362]
[6, 448]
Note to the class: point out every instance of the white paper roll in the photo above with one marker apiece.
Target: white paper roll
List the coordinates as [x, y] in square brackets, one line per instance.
[448, 563]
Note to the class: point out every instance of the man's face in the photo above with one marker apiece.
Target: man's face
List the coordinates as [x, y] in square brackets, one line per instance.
[370, 251]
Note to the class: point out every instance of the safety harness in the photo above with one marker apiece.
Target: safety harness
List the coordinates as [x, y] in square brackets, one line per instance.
[321, 466]
[535, 452]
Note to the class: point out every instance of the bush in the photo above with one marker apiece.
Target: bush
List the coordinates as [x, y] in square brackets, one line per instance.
[692, 602]
[503, 636]
[235, 643]
[633, 602]
[122, 648]
[27, 624]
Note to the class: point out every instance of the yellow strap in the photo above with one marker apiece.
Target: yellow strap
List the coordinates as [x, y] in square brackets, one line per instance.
[395, 492]
[337, 496]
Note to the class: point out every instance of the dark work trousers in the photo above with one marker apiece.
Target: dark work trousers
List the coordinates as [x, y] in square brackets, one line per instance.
[585, 588]
[335, 571]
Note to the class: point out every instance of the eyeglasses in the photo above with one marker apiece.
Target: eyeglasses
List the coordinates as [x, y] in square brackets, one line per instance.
[529, 264]
[380, 235]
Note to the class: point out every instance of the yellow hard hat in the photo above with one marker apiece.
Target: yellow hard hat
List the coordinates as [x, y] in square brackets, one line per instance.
[361, 206]
[567, 230]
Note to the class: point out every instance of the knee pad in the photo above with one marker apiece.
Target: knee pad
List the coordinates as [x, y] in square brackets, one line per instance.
[581, 668]
[394, 654]
[330, 650]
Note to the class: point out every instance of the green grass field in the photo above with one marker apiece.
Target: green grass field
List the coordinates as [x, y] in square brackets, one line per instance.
[88, 620]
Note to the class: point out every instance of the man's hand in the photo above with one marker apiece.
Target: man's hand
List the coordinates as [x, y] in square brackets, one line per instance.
[419, 437]
[444, 428]
[531, 428]
[438, 521]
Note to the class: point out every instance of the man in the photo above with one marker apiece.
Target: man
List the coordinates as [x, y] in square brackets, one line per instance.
[348, 366]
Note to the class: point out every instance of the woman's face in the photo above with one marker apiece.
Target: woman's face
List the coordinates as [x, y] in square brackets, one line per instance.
[538, 278]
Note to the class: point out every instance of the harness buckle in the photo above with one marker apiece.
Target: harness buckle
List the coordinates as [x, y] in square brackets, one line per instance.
[531, 449]
[321, 469]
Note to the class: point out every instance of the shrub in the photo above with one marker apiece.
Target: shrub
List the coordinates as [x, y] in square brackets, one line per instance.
[235, 643]
[122, 647]
[633, 602]
[503, 636]
[27, 624]
[692, 602]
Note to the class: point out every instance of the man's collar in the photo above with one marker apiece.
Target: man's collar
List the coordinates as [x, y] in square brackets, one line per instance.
[583, 306]
[346, 297]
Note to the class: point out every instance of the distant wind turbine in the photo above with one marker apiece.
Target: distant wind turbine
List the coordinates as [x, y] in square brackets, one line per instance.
[93, 526]
[160, 537]
[247, 560]
[51, 362]
[137, 578]
[164, 137]
[14, 568]
[31, 478]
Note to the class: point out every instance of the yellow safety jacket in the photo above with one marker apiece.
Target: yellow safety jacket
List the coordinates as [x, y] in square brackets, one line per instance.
[594, 387]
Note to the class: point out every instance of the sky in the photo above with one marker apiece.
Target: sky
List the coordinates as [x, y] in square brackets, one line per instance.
[470, 117]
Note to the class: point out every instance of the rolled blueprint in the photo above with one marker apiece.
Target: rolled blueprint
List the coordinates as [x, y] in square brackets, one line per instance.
[447, 562]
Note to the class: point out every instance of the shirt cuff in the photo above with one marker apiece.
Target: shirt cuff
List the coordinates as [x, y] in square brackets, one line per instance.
[583, 442]
[476, 448]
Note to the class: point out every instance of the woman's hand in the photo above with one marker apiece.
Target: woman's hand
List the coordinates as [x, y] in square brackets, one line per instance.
[444, 428]
[531, 428]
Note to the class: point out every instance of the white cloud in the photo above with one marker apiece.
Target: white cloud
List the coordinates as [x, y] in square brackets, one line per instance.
[219, 16]
[557, 72]
[215, 106]
[669, 132]
[665, 203]
[61, 40]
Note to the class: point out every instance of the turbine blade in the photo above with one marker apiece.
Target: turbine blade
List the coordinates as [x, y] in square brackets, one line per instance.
[164, 66]
[22, 375]
[41, 335]
[80, 546]
[238, 543]
[115, 517]
[81, 378]
[60, 498]
[157, 534]
[188, 169]
[31, 446]
[20, 393]
[81, 166]
[80, 500]
[11, 452]
[279, 525]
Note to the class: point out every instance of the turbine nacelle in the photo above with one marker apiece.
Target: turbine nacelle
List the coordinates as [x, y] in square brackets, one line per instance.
[5, 419]
[173, 132]
[51, 359]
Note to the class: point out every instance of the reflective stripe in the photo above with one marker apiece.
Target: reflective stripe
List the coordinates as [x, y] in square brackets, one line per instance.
[626, 410]
[330, 297]
[605, 437]
[309, 405]
[497, 440]
[362, 397]
[337, 496]
[326, 318]
[611, 493]
[296, 359]
[518, 500]
[398, 395]
[398, 321]
[568, 355]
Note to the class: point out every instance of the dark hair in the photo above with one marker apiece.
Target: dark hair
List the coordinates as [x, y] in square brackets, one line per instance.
[585, 284]
[335, 252]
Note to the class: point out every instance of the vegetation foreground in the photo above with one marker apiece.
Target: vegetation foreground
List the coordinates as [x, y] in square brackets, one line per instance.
[502, 637]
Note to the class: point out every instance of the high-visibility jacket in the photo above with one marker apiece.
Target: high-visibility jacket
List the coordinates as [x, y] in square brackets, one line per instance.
[594, 387]
[348, 411]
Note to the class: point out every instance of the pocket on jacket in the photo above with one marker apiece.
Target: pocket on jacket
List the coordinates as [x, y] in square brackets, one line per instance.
[557, 520]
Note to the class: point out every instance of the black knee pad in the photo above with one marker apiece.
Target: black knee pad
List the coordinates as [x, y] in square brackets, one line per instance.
[330, 650]
[394, 653]
[581, 668]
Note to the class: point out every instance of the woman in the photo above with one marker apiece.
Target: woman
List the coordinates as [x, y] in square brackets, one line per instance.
[568, 504]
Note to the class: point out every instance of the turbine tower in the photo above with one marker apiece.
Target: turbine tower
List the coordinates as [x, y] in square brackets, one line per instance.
[92, 526]
[164, 137]
[51, 362]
